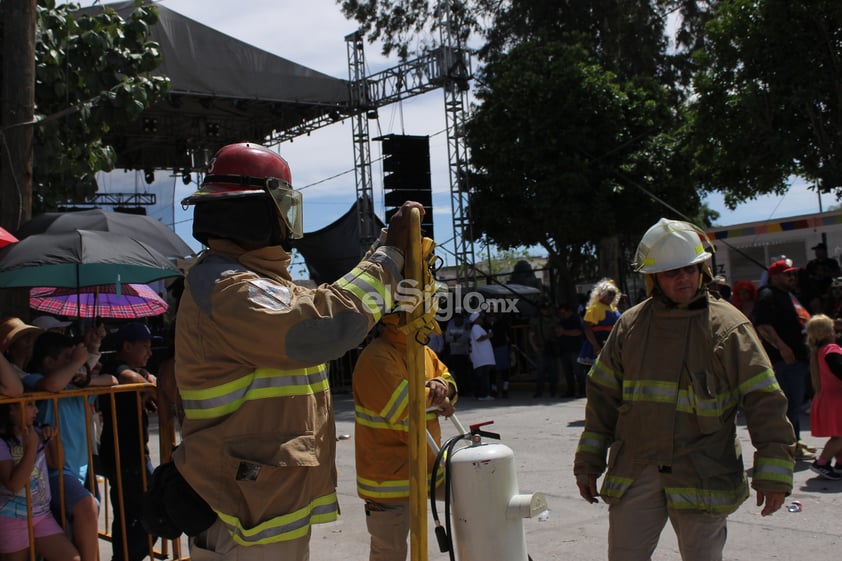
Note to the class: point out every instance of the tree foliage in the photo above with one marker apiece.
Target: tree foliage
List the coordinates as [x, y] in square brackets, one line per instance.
[619, 29]
[407, 26]
[92, 73]
[566, 153]
[769, 101]
[577, 135]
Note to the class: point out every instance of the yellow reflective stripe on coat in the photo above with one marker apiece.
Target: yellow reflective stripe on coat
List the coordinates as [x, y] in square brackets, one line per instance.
[690, 402]
[373, 419]
[397, 403]
[615, 486]
[593, 442]
[763, 382]
[371, 489]
[684, 498]
[286, 527]
[657, 391]
[392, 489]
[262, 383]
[773, 469]
[369, 289]
[689, 498]
[687, 400]
[604, 376]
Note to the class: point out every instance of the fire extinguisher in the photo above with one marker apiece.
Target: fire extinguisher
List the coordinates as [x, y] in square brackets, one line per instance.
[482, 491]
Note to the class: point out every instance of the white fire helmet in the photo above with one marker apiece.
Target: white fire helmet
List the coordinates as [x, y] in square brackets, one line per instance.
[670, 244]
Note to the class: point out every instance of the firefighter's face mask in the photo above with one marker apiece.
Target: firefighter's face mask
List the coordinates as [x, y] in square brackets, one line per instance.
[288, 203]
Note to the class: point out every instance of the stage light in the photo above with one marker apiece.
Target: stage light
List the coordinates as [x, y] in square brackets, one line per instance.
[150, 125]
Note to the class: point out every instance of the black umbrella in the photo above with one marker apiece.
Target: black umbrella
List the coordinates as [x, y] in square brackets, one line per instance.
[81, 258]
[140, 227]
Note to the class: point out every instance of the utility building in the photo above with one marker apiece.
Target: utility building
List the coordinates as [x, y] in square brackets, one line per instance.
[743, 251]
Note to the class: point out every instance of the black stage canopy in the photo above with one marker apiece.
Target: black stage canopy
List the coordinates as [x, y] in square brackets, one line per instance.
[223, 91]
[335, 249]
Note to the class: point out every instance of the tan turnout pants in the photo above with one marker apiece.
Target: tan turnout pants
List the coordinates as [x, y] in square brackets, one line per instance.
[388, 525]
[636, 522]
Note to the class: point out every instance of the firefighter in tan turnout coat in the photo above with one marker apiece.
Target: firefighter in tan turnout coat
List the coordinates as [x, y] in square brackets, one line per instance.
[252, 349]
[662, 400]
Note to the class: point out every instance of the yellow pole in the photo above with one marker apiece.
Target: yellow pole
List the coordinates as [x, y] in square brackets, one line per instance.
[417, 404]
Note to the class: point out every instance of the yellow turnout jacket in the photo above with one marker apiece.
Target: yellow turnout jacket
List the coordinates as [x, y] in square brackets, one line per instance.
[381, 415]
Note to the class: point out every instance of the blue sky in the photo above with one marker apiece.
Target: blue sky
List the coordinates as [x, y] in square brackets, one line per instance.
[322, 163]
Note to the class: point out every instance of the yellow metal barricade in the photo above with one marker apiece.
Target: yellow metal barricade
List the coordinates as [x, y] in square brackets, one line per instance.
[168, 549]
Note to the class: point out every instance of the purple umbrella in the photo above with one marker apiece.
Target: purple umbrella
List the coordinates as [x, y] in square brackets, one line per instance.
[102, 301]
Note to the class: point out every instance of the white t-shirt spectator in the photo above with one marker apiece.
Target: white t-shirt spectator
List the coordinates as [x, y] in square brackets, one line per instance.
[482, 353]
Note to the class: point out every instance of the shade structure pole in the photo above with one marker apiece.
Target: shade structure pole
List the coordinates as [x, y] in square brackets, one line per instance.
[413, 270]
[79, 324]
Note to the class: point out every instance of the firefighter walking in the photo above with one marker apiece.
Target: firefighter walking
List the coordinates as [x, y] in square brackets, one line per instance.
[662, 400]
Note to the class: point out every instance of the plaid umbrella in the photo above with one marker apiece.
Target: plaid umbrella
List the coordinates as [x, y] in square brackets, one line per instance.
[6, 238]
[129, 301]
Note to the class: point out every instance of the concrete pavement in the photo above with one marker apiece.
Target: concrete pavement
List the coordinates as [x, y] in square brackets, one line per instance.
[543, 433]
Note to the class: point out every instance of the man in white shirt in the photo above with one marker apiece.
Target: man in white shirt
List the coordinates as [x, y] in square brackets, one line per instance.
[482, 356]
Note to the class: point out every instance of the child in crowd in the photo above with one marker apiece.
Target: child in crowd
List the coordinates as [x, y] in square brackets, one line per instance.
[55, 361]
[16, 340]
[826, 409]
[128, 365]
[23, 460]
[10, 384]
